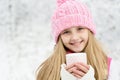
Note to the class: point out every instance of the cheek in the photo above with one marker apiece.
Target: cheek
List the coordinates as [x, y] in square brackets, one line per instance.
[65, 39]
[86, 37]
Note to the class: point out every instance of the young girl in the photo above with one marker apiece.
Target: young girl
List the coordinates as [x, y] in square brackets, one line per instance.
[74, 32]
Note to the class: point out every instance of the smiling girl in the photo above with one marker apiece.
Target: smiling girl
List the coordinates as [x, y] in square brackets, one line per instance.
[74, 32]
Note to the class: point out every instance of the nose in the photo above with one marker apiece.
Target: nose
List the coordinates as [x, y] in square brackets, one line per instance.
[74, 36]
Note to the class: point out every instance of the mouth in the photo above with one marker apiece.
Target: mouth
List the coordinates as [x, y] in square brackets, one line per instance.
[76, 43]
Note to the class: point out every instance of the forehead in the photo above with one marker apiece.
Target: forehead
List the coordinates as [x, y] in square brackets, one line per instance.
[74, 27]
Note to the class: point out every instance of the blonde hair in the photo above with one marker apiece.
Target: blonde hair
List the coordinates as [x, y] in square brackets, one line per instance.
[96, 57]
[50, 68]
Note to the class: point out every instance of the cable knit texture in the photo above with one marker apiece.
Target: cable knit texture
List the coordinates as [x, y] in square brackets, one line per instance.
[65, 75]
[113, 75]
[71, 13]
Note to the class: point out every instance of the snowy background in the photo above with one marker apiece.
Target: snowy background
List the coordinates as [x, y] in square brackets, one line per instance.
[25, 34]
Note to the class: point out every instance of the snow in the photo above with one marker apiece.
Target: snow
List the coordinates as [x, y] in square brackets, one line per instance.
[25, 33]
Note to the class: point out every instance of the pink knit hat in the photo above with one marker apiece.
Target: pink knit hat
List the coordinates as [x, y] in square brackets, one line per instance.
[71, 13]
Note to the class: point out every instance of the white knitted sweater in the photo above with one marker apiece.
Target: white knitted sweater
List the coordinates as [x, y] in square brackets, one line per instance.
[114, 73]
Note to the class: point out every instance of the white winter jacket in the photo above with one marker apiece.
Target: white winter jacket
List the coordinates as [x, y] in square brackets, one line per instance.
[114, 73]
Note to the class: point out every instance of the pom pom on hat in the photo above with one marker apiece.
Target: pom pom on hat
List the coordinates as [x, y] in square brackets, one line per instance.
[71, 13]
[59, 2]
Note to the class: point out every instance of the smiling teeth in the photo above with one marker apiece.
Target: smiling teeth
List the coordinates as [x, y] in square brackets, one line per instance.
[77, 43]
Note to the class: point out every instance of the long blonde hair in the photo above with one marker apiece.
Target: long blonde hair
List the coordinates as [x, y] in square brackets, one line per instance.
[96, 57]
[50, 68]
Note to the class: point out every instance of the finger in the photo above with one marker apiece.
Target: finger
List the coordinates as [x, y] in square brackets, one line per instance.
[85, 65]
[69, 66]
[81, 67]
[78, 72]
[70, 70]
[76, 75]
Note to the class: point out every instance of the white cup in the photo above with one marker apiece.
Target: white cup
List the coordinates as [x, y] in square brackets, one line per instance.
[76, 57]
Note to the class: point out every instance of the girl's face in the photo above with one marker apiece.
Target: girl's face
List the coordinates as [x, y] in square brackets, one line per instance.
[75, 38]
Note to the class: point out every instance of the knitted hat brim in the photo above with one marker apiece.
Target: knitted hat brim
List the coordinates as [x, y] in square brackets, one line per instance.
[72, 21]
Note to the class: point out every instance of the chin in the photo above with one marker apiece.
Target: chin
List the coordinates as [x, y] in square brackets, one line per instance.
[77, 51]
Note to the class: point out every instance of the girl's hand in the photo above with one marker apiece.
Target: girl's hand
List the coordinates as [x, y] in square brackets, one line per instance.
[78, 69]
